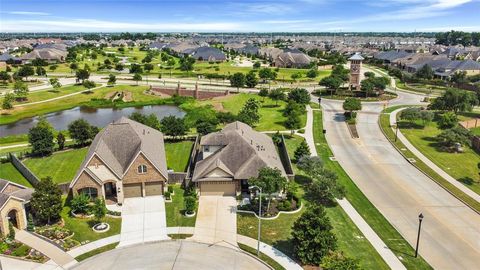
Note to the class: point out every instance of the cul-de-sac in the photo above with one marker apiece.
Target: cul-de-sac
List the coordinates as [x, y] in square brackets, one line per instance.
[237, 135]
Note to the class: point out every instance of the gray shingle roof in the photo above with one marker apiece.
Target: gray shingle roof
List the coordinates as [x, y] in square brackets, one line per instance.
[121, 141]
[208, 54]
[244, 152]
[22, 193]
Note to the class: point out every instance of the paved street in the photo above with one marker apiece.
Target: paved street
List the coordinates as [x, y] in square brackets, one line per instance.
[143, 220]
[216, 221]
[173, 255]
[450, 231]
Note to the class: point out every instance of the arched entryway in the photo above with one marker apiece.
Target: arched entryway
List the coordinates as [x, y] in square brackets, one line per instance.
[110, 192]
[13, 218]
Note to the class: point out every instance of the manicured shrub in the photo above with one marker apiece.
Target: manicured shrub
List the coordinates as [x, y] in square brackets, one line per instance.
[167, 195]
[170, 189]
[190, 203]
[80, 204]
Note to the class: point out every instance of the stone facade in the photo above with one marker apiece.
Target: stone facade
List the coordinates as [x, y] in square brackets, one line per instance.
[13, 204]
[85, 180]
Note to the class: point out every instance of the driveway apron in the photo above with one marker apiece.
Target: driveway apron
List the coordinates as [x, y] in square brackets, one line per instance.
[216, 221]
[143, 220]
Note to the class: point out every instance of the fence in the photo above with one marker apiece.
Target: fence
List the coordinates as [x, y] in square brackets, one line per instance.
[176, 177]
[24, 170]
[476, 143]
[192, 161]
[472, 123]
[287, 164]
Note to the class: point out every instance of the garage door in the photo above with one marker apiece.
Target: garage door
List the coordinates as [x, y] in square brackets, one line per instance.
[154, 188]
[217, 189]
[132, 190]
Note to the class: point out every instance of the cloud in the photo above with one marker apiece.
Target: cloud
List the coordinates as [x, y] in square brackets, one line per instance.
[79, 25]
[29, 13]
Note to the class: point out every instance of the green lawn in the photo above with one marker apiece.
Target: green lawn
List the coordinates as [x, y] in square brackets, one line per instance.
[10, 173]
[97, 251]
[174, 210]
[475, 131]
[424, 139]
[365, 208]
[83, 227]
[178, 154]
[271, 118]
[61, 166]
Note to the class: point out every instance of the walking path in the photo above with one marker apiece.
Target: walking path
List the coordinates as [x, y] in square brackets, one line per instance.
[94, 245]
[388, 256]
[9, 263]
[60, 97]
[428, 162]
[59, 256]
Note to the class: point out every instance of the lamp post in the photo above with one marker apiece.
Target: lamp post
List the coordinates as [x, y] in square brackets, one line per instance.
[259, 216]
[420, 218]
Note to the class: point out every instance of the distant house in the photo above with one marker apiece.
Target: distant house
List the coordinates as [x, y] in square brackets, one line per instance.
[228, 158]
[51, 55]
[292, 59]
[14, 200]
[208, 54]
[6, 57]
[126, 159]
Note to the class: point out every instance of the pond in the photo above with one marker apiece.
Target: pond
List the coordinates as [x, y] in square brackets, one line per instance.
[97, 117]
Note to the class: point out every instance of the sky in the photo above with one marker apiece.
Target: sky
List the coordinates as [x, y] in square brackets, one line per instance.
[239, 16]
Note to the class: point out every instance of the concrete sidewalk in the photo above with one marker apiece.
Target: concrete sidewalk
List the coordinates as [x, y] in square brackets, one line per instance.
[94, 245]
[428, 162]
[8, 263]
[59, 256]
[387, 255]
[270, 251]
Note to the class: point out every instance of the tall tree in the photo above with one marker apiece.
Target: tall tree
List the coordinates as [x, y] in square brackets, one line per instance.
[276, 94]
[425, 72]
[251, 79]
[46, 201]
[331, 82]
[20, 89]
[173, 126]
[41, 137]
[81, 131]
[302, 150]
[237, 80]
[55, 83]
[186, 63]
[112, 79]
[455, 100]
[82, 74]
[299, 95]
[249, 113]
[312, 236]
[137, 77]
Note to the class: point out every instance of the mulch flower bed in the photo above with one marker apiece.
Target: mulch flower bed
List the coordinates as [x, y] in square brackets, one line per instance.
[14, 248]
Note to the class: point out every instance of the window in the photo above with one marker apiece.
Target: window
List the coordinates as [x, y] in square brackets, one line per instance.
[91, 192]
[142, 169]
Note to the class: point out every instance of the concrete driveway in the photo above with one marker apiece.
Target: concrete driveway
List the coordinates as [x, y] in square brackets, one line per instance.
[173, 255]
[143, 220]
[216, 221]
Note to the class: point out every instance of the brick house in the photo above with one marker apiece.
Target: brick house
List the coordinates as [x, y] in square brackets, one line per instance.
[14, 201]
[126, 159]
[228, 158]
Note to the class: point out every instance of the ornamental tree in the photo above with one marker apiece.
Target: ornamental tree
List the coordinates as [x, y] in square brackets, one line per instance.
[41, 138]
[46, 201]
[312, 236]
[270, 180]
[302, 150]
[249, 113]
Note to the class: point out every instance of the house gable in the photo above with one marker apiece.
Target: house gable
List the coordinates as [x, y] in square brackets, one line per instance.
[218, 173]
[86, 180]
[133, 176]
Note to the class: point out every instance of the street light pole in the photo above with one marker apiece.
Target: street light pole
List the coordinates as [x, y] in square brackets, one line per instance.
[420, 218]
[259, 216]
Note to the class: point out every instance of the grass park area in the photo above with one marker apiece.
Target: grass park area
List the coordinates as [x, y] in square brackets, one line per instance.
[271, 117]
[390, 134]
[41, 95]
[278, 232]
[424, 139]
[175, 210]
